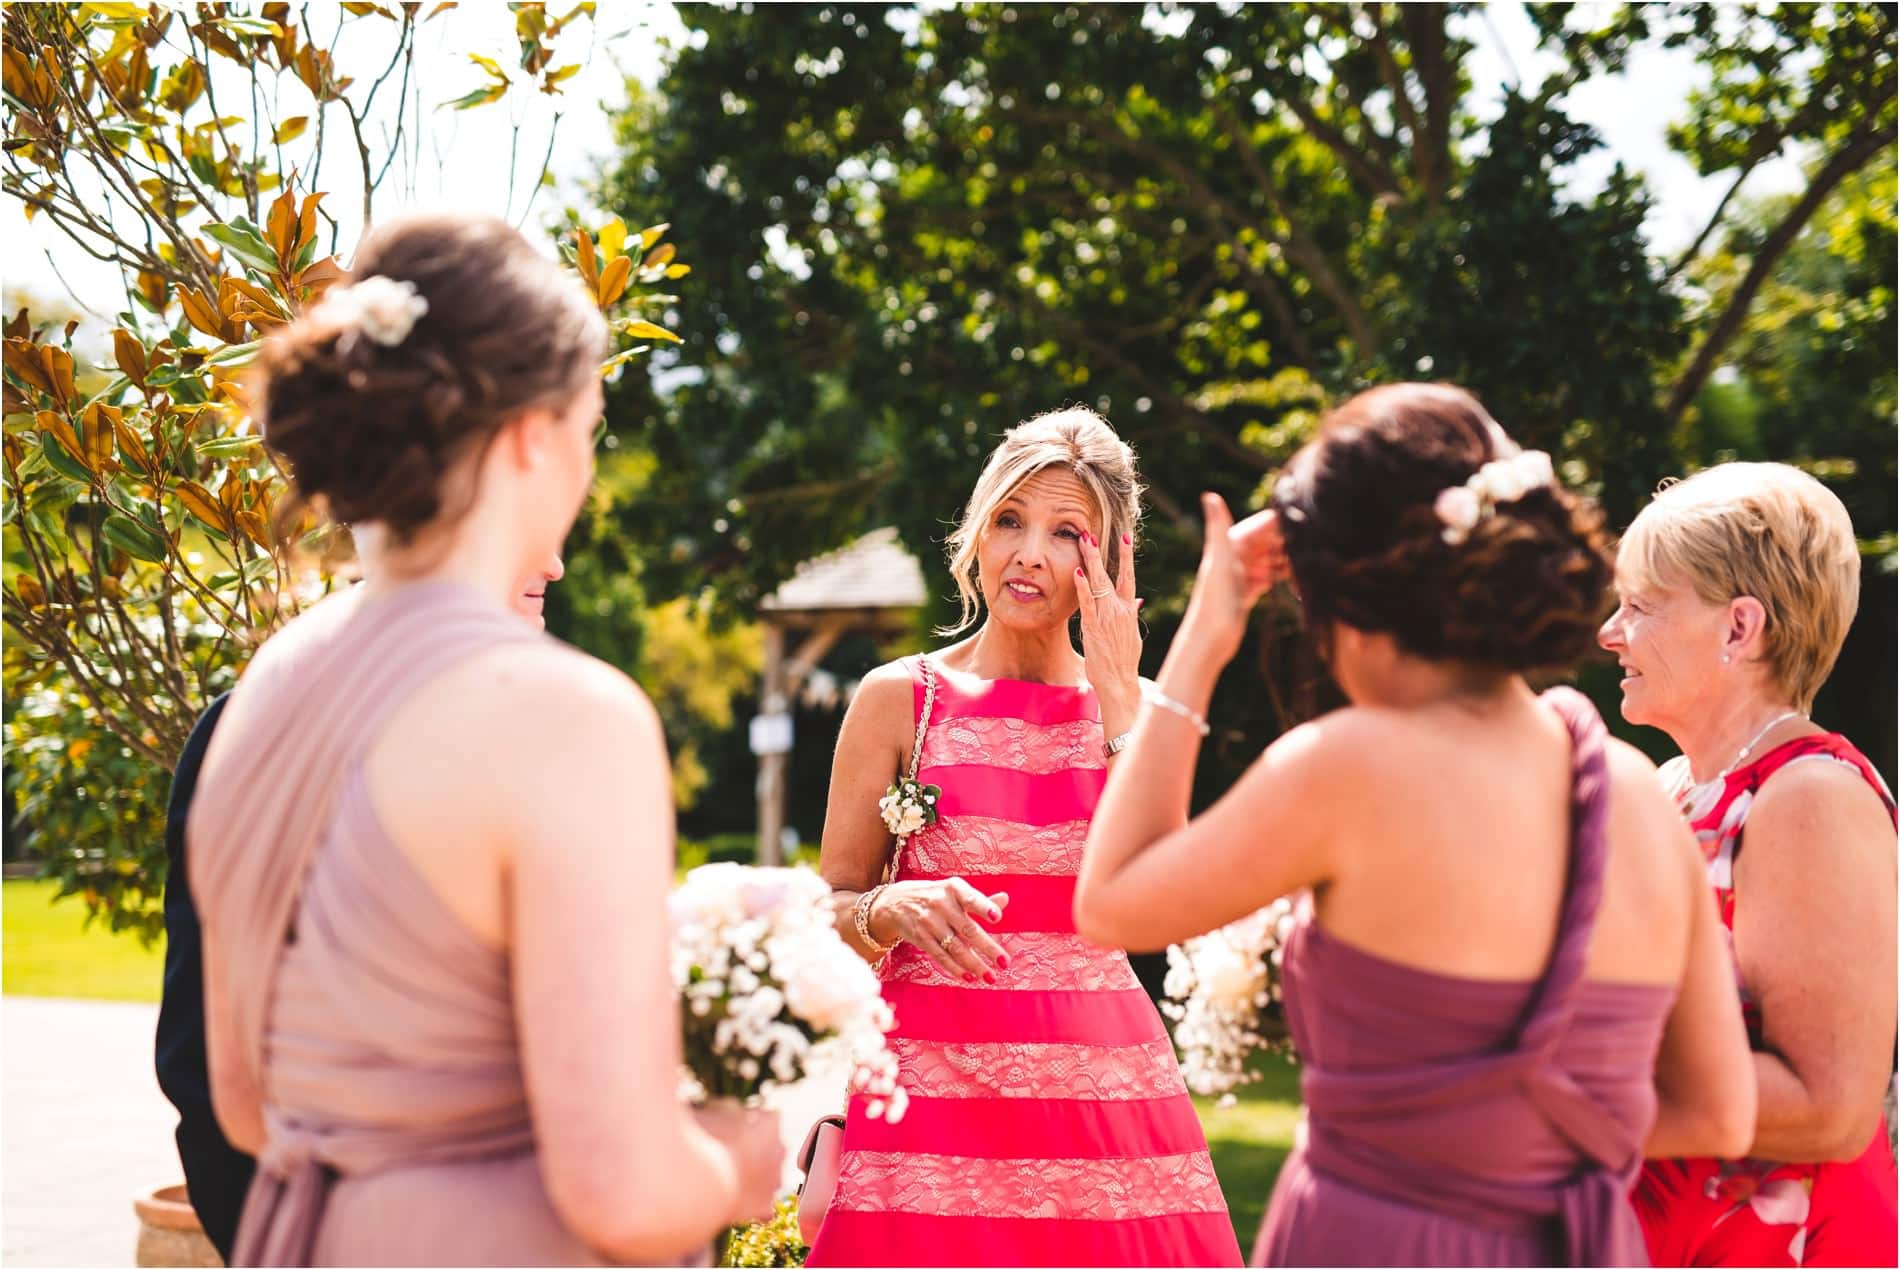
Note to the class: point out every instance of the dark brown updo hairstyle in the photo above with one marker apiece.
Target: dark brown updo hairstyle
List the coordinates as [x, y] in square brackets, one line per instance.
[1525, 589]
[372, 429]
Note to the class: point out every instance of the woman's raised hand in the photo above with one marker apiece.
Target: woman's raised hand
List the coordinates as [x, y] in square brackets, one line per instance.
[1239, 562]
[1111, 632]
[941, 918]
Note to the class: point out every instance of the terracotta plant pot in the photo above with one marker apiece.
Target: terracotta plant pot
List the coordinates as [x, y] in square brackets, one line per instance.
[169, 1233]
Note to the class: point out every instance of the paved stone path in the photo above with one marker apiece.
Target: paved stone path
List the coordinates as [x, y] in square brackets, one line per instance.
[84, 1127]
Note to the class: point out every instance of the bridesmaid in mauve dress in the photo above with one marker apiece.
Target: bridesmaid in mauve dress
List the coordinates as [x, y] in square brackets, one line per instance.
[1048, 1123]
[1506, 983]
[431, 846]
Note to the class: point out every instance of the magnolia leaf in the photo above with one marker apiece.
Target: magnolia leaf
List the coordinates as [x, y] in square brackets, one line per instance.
[198, 501]
[613, 238]
[135, 539]
[584, 259]
[239, 25]
[129, 354]
[643, 330]
[236, 354]
[290, 129]
[613, 280]
[228, 447]
[480, 97]
[246, 244]
[62, 448]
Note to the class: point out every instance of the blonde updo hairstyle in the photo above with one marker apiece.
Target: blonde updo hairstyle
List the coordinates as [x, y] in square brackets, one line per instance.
[1764, 530]
[1080, 442]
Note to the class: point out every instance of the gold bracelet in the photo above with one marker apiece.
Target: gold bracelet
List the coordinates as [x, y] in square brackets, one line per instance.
[1157, 697]
[861, 918]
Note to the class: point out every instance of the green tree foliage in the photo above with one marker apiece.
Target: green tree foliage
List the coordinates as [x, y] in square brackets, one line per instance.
[148, 542]
[922, 225]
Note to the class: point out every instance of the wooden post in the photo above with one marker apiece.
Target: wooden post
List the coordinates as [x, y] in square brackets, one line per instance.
[772, 700]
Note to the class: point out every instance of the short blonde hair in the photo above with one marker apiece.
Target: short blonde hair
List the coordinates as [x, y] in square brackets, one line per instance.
[1765, 530]
[1080, 442]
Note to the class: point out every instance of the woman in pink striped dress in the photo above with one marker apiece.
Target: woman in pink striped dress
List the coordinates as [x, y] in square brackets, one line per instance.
[1047, 1122]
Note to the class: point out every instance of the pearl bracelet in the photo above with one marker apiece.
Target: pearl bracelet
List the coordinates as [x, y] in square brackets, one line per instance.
[1156, 697]
[861, 918]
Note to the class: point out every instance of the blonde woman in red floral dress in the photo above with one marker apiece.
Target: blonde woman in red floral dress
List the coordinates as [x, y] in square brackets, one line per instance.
[1736, 588]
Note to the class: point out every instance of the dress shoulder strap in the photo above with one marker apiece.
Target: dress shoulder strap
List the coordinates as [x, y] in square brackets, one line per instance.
[1548, 1015]
[1826, 745]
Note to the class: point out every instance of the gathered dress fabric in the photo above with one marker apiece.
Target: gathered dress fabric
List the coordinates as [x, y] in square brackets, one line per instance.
[1048, 1123]
[1458, 1121]
[1709, 1212]
[377, 1030]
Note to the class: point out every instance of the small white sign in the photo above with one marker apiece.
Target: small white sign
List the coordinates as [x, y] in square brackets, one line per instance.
[771, 734]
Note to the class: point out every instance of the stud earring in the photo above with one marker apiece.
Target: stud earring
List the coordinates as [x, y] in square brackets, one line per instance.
[1725, 659]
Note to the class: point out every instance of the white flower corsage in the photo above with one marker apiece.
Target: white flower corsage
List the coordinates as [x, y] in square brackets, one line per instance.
[1506, 480]
[909, 806]
[384, 309]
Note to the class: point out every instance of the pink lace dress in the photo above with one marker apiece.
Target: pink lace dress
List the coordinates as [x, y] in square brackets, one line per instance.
[1048, 1123]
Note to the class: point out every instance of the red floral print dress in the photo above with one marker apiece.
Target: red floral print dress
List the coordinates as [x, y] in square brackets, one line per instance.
[1708, 1212]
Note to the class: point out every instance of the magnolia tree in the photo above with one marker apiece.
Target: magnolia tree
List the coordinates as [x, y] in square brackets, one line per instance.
[149, 546]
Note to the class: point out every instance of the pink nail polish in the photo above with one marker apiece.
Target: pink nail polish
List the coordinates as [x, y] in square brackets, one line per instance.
[1128, 540]
[988, 977]
[968, 977]
[1002, 963]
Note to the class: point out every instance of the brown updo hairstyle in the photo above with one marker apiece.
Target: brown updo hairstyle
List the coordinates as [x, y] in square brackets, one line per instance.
[372, 430]
[1526, 589]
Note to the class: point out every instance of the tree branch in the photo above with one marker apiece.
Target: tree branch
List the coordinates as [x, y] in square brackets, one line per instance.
[1374, 175]
[1301, 246]
[1425, 33]
[1715, 219]
[1842, 164]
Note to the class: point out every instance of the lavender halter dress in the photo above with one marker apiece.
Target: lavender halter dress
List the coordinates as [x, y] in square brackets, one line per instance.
[1454, 1121]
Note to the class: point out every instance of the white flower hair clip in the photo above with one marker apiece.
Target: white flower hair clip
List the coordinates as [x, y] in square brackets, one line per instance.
[384, 309]
[1505, 480]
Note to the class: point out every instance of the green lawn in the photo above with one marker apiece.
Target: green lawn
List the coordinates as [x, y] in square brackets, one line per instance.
[1250, 1141]
[51, 952]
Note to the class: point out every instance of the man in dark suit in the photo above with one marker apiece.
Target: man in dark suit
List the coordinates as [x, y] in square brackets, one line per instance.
[216, 1173]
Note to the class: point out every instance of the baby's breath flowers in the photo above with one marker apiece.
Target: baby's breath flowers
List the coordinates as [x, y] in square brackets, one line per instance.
[1219, 987]
[767, 988]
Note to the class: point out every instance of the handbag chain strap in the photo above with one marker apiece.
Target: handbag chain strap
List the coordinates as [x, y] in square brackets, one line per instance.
[916, 756]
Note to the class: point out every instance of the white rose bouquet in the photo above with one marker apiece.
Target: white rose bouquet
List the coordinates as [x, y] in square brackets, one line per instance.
[1220, 989]
[768, 990]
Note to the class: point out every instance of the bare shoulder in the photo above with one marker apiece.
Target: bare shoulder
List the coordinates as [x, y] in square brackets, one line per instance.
[551, 693]
[1636, 782]
[885, 697]
[1360, 742]
[1820, 797]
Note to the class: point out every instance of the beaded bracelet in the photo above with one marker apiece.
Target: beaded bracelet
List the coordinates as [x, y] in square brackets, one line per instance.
[1157, 697]
[861, 918]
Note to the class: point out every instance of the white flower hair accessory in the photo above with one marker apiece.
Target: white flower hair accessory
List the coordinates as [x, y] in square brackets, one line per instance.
[1460, 507]
[384, 309]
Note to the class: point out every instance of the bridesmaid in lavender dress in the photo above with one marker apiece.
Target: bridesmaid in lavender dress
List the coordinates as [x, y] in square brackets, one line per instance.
[431, 846]
[1507, 983]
